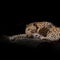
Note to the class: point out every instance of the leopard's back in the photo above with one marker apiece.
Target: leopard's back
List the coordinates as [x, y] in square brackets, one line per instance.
[53, 33]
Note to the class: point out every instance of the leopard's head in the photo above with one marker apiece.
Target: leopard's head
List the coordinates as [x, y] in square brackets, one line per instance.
[30, 29]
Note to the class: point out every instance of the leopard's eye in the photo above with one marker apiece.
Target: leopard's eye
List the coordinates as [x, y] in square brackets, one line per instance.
[28, 29]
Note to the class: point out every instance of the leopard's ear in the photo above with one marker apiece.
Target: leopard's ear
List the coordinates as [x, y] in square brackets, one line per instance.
[34, 24]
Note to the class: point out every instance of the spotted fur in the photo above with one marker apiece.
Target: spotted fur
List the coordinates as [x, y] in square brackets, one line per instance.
[53, 34]
[35, 27]
[46, 29]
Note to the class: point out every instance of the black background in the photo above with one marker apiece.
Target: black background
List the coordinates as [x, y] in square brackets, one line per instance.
[11, 25]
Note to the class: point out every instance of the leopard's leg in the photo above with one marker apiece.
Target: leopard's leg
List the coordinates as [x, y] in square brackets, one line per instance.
[20, 36]
[51, 37]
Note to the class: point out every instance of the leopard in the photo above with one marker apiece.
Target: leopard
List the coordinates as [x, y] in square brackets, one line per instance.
[35, 27]
[41, 30]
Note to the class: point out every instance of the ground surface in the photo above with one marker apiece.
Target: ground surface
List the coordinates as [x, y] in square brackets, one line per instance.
[29, 46]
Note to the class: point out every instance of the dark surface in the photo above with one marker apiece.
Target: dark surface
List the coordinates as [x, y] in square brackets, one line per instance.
[30, 46]
[11, 25]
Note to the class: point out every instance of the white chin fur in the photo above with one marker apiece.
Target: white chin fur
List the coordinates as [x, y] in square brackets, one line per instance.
[36, 35]
[11, 38]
